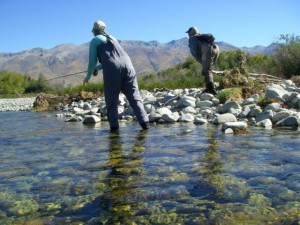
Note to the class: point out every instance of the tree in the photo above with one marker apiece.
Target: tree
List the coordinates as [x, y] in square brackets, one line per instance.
[36, 86]
[287, 57]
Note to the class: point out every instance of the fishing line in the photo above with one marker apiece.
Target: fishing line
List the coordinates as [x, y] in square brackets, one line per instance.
[66, 75]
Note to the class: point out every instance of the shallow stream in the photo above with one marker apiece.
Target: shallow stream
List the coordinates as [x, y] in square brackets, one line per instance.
[53, 172]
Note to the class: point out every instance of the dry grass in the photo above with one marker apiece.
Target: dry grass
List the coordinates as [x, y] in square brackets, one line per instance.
[240, 84]
[296, 79]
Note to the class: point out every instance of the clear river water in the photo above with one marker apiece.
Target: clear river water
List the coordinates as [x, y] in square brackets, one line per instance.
[56, 172]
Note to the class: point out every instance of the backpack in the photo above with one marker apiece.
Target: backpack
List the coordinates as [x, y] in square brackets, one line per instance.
[207, 38]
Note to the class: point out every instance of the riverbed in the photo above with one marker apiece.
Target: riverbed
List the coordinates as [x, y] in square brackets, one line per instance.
[53, 172]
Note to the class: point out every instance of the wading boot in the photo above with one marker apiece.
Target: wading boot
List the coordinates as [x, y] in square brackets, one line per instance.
[210, 89]
[114, 129]
[145, 125]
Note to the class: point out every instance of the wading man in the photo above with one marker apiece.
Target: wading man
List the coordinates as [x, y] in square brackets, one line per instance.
[206, 52]
[118, 75]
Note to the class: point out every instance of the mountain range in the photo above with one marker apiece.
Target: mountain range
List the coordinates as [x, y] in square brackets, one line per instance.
[147, 57]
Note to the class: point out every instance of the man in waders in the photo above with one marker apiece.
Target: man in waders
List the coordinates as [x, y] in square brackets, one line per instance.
[205, 52]
[118, 75]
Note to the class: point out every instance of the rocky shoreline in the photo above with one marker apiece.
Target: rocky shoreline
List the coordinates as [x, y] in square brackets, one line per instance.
[190, 105]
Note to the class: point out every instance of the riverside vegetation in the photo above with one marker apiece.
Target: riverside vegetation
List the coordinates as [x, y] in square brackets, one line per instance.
[284, 64]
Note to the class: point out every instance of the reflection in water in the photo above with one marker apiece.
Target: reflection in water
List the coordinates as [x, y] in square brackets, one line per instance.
[209, 169]
[124, 178]
[212, 164]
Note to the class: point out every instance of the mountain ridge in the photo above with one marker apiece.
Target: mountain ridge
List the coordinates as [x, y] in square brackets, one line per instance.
[147, 57]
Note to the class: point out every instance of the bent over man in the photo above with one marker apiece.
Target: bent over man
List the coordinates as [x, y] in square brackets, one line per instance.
[118, 75]
[206, 53]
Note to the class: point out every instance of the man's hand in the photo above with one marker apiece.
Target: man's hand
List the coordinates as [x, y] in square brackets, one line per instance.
[85, 81]
[95, 72]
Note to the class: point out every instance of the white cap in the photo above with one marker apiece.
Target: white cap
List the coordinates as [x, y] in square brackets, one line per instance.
[99, 25]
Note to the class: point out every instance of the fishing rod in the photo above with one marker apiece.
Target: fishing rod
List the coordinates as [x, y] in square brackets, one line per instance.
[66, 75]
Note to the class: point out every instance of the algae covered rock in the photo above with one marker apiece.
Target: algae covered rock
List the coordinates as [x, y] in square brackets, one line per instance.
[23, 207]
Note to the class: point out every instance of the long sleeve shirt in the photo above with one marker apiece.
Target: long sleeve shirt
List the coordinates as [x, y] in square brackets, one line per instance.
[92, 65]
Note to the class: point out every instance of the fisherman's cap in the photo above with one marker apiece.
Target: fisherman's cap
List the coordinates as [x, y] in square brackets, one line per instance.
[99, 25]
[192, 29]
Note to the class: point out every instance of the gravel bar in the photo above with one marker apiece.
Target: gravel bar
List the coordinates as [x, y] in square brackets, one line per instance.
[16, 104]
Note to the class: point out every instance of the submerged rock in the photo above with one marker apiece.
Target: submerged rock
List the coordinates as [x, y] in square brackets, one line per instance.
[91, 119]
[241, 125]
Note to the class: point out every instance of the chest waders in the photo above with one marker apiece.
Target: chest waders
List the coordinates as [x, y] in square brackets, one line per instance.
[119, 76]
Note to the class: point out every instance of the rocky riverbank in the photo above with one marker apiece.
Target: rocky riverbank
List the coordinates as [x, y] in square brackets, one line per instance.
[189, 105]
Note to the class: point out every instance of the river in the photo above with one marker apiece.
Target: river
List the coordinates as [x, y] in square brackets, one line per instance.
[54, 172]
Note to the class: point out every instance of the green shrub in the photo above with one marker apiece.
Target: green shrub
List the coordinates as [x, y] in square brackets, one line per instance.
[231, 59]
[12, 83]
[261, 64]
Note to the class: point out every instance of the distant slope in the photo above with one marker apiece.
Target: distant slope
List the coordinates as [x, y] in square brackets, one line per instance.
[147, 57]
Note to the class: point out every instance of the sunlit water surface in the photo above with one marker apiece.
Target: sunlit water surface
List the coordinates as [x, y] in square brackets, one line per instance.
[53, 172]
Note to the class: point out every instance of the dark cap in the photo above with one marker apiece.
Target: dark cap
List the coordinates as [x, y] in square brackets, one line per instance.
[192, 29]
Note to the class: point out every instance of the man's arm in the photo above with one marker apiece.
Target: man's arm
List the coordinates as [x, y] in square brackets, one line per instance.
[92, 59]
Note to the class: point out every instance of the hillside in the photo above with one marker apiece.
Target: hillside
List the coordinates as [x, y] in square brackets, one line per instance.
[64, 59]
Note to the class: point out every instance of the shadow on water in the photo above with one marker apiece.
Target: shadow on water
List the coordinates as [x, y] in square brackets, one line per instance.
[53, 172]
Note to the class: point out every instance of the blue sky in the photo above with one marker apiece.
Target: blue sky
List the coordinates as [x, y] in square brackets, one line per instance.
[28, 24]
